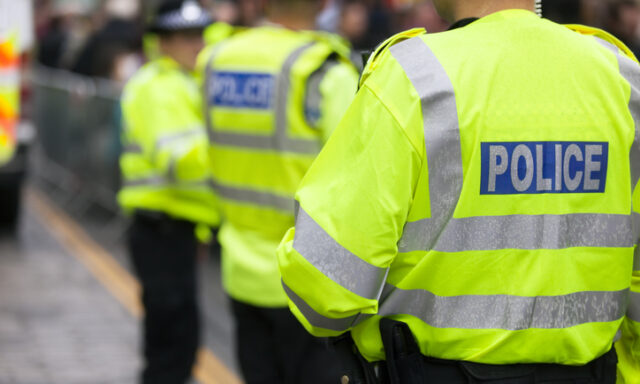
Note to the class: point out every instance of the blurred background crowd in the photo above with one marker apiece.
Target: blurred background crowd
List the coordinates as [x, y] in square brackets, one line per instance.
[85, 50]
[104, 38]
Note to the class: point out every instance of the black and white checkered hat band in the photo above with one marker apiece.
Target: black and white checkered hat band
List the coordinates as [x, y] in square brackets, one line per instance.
[175, 21]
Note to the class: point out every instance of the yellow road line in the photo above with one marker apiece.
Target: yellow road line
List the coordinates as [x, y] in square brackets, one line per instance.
[117, 280]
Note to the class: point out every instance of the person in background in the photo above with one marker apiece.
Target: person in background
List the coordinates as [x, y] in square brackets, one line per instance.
[354, 23]
[564, 11]
[328, 19]
[422, 14]
[623, 21]
[113, 51]
[166, 187]
[274, 94]
[475, 217]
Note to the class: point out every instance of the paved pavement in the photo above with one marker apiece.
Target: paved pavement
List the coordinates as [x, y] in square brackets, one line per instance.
[59, 324]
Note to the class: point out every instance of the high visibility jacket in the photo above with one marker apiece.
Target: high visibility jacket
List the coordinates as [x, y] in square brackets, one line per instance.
[273, 97]
[480, 189]
[164, 162]
[218, 32]
[9, 94]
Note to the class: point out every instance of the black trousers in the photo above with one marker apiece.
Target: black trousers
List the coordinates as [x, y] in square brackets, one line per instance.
[163, 252]
[405, 365]
[274, 348]
[599, 371]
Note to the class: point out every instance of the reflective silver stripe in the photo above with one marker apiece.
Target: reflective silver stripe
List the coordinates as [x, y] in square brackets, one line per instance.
[242, 140]
[633, 312]
[313, 96]
[505, 311]
[132, 149]
[279, 141]
[135, 148]
[618, 336]
[630, 70]
[152, 181]
[335, 261]
[301, 146]
[172, 170]
[607, 45]
[441, 135]
[246, 195]
[207, 88]
[283, 91]
[159, 181]
[177, 136]
[487, 233]
[316, 319]
[636, 230]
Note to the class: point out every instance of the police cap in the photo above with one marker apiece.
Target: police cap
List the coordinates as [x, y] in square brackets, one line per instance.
[179, 15]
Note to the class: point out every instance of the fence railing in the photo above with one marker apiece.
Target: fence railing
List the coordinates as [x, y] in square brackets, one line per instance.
[78, 124]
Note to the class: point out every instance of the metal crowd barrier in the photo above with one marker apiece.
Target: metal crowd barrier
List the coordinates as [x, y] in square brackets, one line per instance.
[78, 125]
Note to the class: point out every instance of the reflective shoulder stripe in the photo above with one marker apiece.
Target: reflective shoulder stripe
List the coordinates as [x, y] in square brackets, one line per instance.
[314, 318]
[607, 45]
[604, 36]
[373, 58]
[505, 311]
[335, 261]
[630, 70]
[441, 131]
[279, 141]
[252, 196]
[177, 136]
[633, 312]
[489, 233]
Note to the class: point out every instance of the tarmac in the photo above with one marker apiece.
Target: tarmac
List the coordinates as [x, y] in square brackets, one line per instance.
[69, 308]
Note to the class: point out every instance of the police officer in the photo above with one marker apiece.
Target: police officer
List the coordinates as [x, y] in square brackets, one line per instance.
[274, 94]
[166, 186]
[475, 215]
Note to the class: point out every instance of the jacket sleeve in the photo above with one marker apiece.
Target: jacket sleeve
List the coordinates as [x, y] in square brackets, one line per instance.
[163, 119]
[353, 203]
[628, 347]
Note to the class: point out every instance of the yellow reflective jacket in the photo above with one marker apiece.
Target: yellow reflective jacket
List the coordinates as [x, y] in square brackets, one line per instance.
[164, 162]
[480, 189]
[273, 97]
[9, 95]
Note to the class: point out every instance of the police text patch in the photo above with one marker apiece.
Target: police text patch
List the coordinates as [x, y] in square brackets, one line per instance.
[241, 90]
[543, 167]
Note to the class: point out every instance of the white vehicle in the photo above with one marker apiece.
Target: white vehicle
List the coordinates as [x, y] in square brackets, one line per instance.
[16, 20]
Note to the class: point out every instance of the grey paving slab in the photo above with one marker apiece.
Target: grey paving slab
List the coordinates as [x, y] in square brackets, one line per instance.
[217, 333]
[57, 323]
[217, 320]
